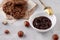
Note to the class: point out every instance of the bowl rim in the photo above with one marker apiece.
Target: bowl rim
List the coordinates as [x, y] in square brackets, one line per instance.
[39, 29]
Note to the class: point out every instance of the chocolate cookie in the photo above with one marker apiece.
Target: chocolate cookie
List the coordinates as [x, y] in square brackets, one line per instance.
[16, 9]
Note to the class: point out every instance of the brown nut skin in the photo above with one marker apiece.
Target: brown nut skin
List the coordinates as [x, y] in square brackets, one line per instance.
[55, 37]
[7, 32]
[26, 23]
[20, 33]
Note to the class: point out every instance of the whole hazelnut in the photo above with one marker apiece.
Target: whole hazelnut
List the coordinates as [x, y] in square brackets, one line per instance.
[7, 32]
[55, 37]
[20, 33]
[26, 23]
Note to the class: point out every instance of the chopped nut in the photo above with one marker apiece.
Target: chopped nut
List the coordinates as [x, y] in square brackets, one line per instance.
[26, 23]
[5, 22]
[55, 37]
[7, 32]
[20, 33]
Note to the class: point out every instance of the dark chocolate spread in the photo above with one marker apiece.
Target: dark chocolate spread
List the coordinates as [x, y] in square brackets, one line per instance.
[42, 22]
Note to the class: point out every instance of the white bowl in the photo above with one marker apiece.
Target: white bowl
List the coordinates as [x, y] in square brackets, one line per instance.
[52, 18]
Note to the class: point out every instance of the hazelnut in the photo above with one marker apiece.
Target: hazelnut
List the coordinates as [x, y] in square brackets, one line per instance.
[20, 33]
[5, 22]
[7, 32]
[26, 23]
[55, 37]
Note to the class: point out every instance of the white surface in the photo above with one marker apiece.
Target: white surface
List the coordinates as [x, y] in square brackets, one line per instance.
[30, 33]
[52, 18]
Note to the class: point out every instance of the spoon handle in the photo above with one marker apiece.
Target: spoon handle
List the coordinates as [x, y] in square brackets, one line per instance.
[42, 3]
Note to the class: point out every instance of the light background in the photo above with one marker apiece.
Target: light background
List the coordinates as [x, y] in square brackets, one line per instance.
[30, 33]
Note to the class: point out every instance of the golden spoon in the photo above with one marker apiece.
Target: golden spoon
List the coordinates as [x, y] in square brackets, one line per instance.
[47, 9]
